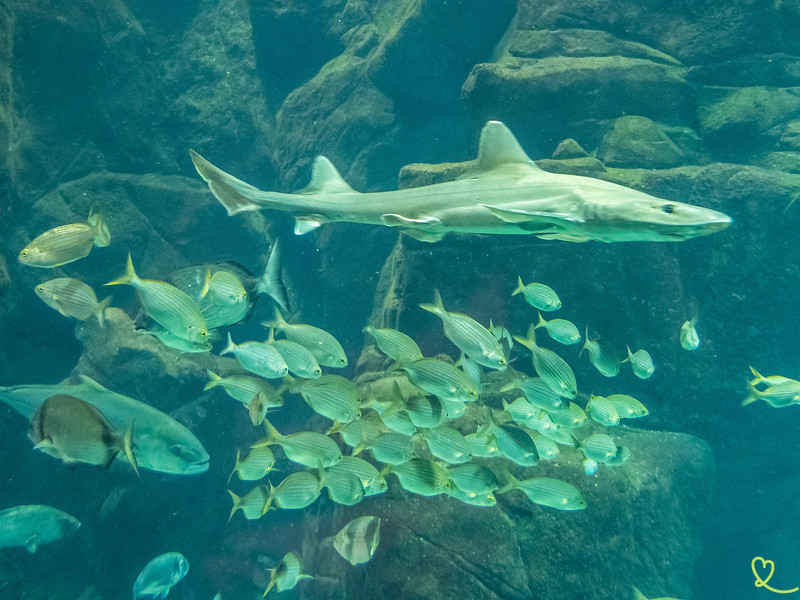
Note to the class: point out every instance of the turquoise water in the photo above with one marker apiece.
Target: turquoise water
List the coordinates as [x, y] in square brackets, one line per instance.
[99, 106]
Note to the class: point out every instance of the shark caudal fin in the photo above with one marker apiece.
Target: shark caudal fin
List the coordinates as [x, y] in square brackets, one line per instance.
[234, 194]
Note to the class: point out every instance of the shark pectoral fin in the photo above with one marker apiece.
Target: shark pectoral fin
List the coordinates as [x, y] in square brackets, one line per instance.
[325, 179]
[420, 228]
[303, 225]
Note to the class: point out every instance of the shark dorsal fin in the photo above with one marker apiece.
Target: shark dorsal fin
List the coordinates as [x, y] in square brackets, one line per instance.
[325, 179]
[498, 147]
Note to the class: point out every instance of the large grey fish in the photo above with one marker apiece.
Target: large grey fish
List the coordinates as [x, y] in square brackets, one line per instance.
[505, 193]
[159, 441]
[73, 430]
[32, 525]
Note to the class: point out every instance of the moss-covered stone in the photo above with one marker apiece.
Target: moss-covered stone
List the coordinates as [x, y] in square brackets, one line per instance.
[639, 142]
[569, 148]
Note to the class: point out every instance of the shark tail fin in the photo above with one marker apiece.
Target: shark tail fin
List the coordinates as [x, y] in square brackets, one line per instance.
[271, 282]
[234, 194]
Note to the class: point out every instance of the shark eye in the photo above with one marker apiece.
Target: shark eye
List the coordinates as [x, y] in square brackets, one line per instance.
[668, 208]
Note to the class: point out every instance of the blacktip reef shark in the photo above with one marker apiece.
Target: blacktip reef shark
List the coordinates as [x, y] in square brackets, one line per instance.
[160, 443]
[504, 193]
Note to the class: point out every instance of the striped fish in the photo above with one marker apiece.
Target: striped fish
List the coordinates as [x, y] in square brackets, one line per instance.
[551, 368]
[257, 357]
[320, 343]
[306, 447]
[441, 379]
[447, 444]
[331, 396]
[251, 504]
[395, 344]
[166, 305]
[602, 410]
[298, 358]
[538, 295]
[356, 542]
[244, 388]
[72, 298]
[66, 243]
[297, 491]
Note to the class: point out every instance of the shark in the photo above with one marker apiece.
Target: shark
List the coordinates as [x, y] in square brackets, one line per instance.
[504, 192]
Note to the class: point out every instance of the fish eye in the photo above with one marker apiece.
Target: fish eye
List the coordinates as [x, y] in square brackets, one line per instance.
[24, 253]
[176, 450]
[668, 208]
[40, 288]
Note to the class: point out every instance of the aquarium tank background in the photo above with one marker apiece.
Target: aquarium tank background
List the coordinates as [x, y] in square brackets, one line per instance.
[695, 102]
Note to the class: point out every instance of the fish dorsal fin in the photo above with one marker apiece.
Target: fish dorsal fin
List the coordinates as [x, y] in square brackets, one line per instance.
[326, 179]
[499, 147]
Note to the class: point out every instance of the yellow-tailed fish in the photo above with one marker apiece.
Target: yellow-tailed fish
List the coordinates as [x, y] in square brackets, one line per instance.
[257, 357]
[538, 295]
[689, 338]
[72, 298]
[298, 358]
[524, 413]
[602, 410]
[627, 407]
[777, 396]
[297, 491]
[551, 368]
[472, 477]
[286, 575]
[306, 447]
[447, 444]
[561, 330]
[166, 305]
[422, 477]
[395, 344]
[602, 355]
[537, 392]
[356, 542]
[758, 379]
[545, 447]
[598, 447]
[173, 341]
[66, 243]
[258, 462]
[373, 482]
[392, 413]
[472, 338]
[441, 379]
[331, 396]
[473, 498]
[251, 504]
[547, 491]
[75, 431]
[641, 363]
[33, 525]
[320, 343]
[343, 486]
[244, 388]
[390, 448]
[356, 432]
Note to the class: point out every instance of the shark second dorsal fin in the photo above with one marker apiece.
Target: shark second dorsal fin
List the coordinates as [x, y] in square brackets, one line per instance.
[325, 179]
[498, 147]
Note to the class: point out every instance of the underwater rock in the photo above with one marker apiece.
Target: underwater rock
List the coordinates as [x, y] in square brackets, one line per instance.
[790, 136]
[733, 119]
[778, 70]
[788, 162]
[654, 506]
[569, 148]
[638, 142]
[544, 98]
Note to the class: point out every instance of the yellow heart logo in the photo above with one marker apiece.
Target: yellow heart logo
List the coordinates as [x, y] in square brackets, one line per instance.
[761, 567]
[765, 564]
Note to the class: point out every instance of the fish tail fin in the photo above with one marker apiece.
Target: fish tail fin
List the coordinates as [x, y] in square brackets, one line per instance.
[585, 341]
[102, 236]
[268, 505]
[100, 311]
[529, 341]
[213, 380]
[506, 480]
[230, 347]
[127, 447]
[519, 288]
[758, 376]
[235, 467]
[636, 594]
[237, 505]
[437, 307]
[278, 321]
[752, 394]
[129, 277]
[272, 581]
[541, 322]
[630, 355]
[273, 435]
[271, 282]
[206, 283]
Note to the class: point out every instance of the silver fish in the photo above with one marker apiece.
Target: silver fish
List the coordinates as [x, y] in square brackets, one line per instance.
[538, 295]
[159, 575]
[72, 298]
[602, 355]
[66, 243]
[257, 357]
[561, 330]
[505, 193]
[325, 348]
[689, 338]
[287, 574]
[395, 344]
[641, 363]
[356, 542]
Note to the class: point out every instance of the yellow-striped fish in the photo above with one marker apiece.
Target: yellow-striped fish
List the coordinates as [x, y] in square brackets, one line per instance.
[66, 243]
[72, 298]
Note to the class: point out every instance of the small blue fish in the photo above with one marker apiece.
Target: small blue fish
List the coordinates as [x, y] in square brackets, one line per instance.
[160, 574]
